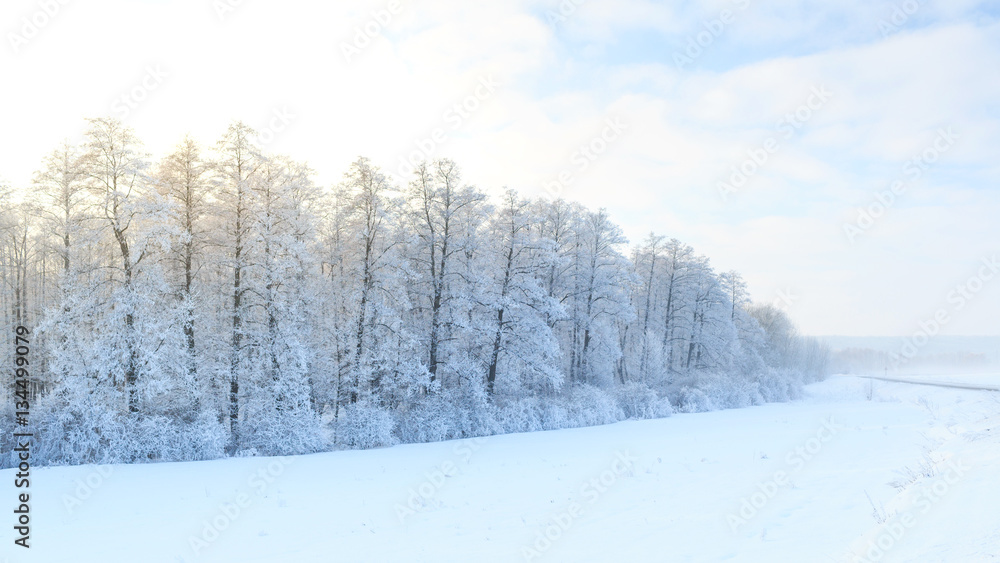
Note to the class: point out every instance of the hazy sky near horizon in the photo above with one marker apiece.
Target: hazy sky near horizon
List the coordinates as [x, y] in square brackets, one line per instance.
[754, 133]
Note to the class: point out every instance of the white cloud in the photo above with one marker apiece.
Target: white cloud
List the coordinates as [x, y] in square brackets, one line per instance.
[685, 129]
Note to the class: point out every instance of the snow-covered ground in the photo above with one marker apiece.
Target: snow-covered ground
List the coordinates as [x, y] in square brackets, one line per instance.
[803, 481]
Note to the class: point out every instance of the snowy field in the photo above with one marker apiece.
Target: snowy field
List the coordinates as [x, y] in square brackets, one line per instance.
[909, 475]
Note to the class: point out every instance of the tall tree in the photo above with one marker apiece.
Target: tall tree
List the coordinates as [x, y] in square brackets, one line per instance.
[184, 178]
[368, 189]
[675, 280]
[603, 278]
[60, 194]
[115, 168]
[520, 306]
[238, 162]
[647, 260]
[440, 208]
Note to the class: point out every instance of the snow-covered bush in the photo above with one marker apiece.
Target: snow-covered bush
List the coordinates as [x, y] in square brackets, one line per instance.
[158, 438]
[76, 436]
[473, 416]
[692, 399]
[207, 438]
[730, 391]
[8, 458]
[553, 414]
[84, 431]
[779, 385]
[520, 415]
[293, 431]
[432, 419]
[712, 391]
[639, 401]
[462, 412]
[589, 406]
[366, 425]
[150, 438]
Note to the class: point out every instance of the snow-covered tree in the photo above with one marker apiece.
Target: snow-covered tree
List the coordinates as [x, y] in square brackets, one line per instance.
[523, 351]
[221, 302]
[115, 170]
[440, 211]
[184, 179]
[238, 161]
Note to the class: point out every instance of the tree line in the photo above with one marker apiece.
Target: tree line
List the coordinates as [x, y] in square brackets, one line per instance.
[218, 302]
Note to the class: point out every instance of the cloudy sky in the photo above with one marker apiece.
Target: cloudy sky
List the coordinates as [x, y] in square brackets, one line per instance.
[756, 134]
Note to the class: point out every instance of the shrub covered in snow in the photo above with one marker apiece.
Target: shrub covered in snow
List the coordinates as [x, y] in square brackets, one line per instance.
[366, 425]
[779, 385]
[713, 391]
[693, 399]
[730, 391]
[589, 406]
[520, 415]
[431, 419]
[639, 401]
[76, 436]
